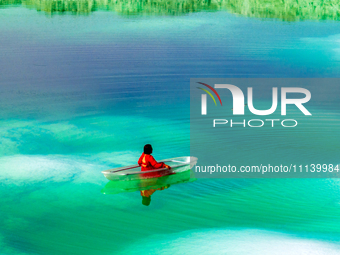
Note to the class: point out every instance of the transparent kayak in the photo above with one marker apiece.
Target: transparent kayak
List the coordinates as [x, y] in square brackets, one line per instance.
[134, 172]
[119, 186]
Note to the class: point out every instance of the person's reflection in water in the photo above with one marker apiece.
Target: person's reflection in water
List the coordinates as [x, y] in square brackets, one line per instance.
[146, 194]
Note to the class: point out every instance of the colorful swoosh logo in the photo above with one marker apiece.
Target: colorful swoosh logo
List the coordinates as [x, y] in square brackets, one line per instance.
[209, 93]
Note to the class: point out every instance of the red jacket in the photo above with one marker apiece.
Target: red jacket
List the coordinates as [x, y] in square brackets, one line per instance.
[147, 162]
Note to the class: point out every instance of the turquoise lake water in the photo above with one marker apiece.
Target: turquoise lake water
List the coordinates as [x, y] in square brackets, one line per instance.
[80, 94]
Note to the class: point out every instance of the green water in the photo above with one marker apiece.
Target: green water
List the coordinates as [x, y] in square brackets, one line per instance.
[80, 94]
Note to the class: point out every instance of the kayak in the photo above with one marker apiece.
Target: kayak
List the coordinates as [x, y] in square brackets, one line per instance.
[119, 186]
[134, 172]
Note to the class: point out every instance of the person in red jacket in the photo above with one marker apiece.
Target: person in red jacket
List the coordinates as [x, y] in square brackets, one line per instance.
[147, 162]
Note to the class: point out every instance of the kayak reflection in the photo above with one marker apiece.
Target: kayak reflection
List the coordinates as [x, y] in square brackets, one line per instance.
[147, 186]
